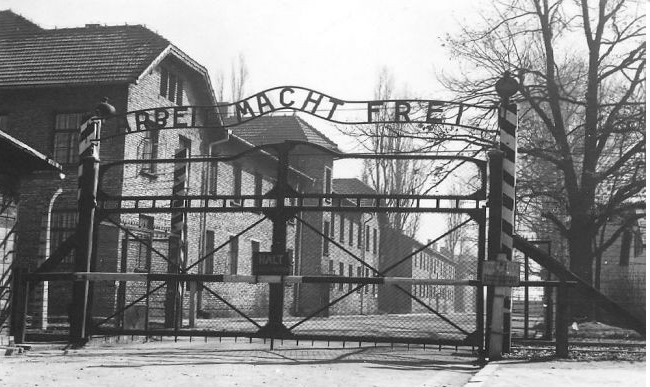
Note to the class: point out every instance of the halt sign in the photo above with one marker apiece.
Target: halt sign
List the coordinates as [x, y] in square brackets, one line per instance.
[268, 263]
[500, 273]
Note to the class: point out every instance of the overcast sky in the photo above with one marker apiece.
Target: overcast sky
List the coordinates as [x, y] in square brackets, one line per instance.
[337, 47]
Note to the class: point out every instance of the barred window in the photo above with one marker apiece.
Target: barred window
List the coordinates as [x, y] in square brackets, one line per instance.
[236, 185]
[145, 233]
[66, 137]
[149, 151]
[62, 226]
[234, 254]
[326, 234]
[351, 232]
[208, 265]
[171, 86]
[258, 189]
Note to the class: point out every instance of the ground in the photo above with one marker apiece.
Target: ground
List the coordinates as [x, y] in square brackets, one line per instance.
[230, 363]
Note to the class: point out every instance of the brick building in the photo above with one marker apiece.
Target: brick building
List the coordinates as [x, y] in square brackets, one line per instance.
[17, 162]
[427, 263]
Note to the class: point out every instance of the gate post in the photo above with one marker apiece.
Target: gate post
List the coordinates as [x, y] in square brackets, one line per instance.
[275, 326]
[506, 87]
[86, 196]
[173, 295]
[19, 304]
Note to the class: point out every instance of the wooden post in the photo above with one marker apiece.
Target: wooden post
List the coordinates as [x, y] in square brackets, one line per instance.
[87, 195]
[19, 304]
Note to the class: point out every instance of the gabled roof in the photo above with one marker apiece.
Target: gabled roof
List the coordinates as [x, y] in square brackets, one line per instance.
[351, 186]
[31, 56]
[274, 129]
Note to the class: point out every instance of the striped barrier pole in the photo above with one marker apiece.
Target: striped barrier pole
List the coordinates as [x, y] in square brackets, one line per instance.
[508, 145]
[177, 240]
[86, 197]
[502, 211]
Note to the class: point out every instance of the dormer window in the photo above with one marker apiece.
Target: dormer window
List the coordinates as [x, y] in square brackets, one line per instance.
[171, 86]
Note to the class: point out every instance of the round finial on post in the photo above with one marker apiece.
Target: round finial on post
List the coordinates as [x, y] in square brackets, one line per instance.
[105, 109]
[506, 86]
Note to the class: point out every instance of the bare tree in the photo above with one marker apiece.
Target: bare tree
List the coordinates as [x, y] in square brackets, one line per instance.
[238, 77]
[221, 83]
[392, 176]
[581, 69]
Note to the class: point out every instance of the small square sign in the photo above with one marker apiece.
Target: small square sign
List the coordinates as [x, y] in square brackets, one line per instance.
[268, 263]
[500, 273]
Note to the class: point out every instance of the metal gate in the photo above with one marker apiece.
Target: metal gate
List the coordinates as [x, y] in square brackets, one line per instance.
[181, 263]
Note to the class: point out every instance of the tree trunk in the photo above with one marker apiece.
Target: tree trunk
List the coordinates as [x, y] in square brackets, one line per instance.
[581, 263]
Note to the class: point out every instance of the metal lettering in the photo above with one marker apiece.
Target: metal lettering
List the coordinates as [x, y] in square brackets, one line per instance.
[335, 103]
[262, 101]
[179, 112]
[310, 99]
[431, 110]
[402, 113]
[371, 109]
[243, 108]
[282, 100]
[161, 117]
[141, 118]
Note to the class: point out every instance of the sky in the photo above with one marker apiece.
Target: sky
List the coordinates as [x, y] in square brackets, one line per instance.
[334, 46]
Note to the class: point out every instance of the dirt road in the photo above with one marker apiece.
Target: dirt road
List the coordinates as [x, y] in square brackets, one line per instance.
[230, 363]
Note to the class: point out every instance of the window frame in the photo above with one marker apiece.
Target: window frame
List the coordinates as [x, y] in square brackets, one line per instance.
[68, 154]
[208, 263]
[233, 252]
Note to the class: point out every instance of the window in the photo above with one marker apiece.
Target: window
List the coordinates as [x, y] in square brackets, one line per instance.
[350, 274]
[234, 254]
[171, 86]
[341, 273]
[66, 137]
[236, 184]
[626, 243]
[255, 247]
[331, 271]
[374, 241]
[326, 235]
[62, 226]
[185, 143]
[208, 262]
[258, 189]
[359, 236]
[292, 262]
[342, 228]
[359, 274]
[351, 232]
[327, 186]
[367, 275]
[367, 238]
[149, 151]
[213, 177]
[143, 259]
